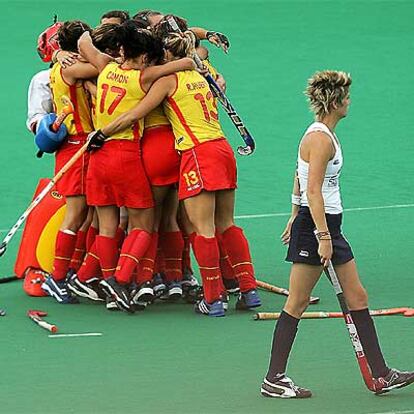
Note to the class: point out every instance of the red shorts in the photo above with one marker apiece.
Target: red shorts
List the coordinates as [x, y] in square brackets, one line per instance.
[73, 183]
[116, 176]
[161, 160]
[210, 166]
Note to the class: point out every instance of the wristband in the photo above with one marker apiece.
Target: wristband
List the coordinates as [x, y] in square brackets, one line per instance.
[323, 235]
[296, 199]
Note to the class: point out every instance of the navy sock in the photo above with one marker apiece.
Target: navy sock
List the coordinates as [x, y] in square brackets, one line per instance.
[283, 337]
[369, 340]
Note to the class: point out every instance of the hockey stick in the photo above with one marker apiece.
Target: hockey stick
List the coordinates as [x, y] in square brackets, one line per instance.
[407, 312]
[8, 279]
[67, 109]
[281, 291]
[36, 317]
[228, 107]
[39, 198]
[353, 334]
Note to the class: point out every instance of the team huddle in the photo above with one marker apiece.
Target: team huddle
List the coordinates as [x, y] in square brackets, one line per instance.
[158, 177]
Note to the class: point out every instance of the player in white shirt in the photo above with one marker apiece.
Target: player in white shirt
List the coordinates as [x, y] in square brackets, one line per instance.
[317, 206]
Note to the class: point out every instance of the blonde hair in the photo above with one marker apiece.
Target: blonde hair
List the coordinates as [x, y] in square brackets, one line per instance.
[180, 44]
[326, 89]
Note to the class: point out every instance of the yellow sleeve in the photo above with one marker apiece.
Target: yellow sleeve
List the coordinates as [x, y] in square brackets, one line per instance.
[210, 68]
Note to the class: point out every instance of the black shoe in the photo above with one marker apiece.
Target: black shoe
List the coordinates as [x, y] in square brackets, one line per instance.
[232, 286]
[90, 289]
[111, 304]
[143, 293]
[394, 379]
[117, 292]
[158, 285]
[283, 387]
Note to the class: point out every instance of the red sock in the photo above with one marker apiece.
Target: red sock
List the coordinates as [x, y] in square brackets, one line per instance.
[64, 248]
[146, 263]
[239, 253]
[227, 271]
[159, 266]
[172, 245]
[90, 237]
[91, 266]
[107, 249]
[186, 263]
[120, 236]
[131, 254]
[207, 254]
[80, 250]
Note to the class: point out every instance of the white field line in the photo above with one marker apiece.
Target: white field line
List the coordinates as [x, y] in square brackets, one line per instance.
[75, 335]
[255, 216]
[395, 412]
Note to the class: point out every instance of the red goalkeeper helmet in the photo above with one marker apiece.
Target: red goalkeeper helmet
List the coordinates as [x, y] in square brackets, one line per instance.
[47, 43]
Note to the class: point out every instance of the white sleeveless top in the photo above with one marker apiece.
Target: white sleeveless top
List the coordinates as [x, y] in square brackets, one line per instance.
[330, 187]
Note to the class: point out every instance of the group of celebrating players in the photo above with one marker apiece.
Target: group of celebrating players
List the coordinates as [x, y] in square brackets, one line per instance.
[159, 176]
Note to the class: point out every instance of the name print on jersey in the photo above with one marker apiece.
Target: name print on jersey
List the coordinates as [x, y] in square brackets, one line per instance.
[117, 77]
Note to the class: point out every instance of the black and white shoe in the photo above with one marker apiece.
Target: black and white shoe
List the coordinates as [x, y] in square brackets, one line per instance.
[393, 380]
[143, 293]
[283, 387]
[119, 293]
[158, 285]
[90, 289]
[111, 304]
[175, 290]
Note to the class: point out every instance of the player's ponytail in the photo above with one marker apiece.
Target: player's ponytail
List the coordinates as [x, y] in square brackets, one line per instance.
[180, 44]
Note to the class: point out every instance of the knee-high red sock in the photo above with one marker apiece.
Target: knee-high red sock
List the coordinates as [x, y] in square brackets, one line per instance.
[227, 271]
[186, 263]
[64, 248]
[79, 252]
[91, 266]
[131, 254]
[207, 254]
[90, 237]
[172, 245]
[146, 263]
[159, 266]
[120, 236]
[239, 254]
[107, 249]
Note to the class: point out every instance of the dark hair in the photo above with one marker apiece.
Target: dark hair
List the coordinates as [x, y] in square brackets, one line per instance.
[106, 38]
[122, 15]
[137, 42]
[145, 14]
[69, 34]
[141, 23]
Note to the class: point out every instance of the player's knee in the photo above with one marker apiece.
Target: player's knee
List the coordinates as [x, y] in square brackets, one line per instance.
[296, 305]
[359, 299]
[223, 224]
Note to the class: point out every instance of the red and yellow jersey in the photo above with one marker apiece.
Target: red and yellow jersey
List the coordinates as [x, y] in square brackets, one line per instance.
[80, 122]
[118, 91]
[156, 118]
[192, 111]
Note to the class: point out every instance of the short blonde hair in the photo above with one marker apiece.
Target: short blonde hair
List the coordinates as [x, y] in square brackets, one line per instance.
[326, 89]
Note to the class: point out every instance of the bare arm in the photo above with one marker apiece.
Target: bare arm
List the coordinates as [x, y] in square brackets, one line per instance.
[320, 152]
[79, 70]
[151, 74]
[91, 53]
[285, 236]
[158, 92]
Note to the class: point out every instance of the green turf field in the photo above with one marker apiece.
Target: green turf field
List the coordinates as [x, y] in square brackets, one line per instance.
[167, 359]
